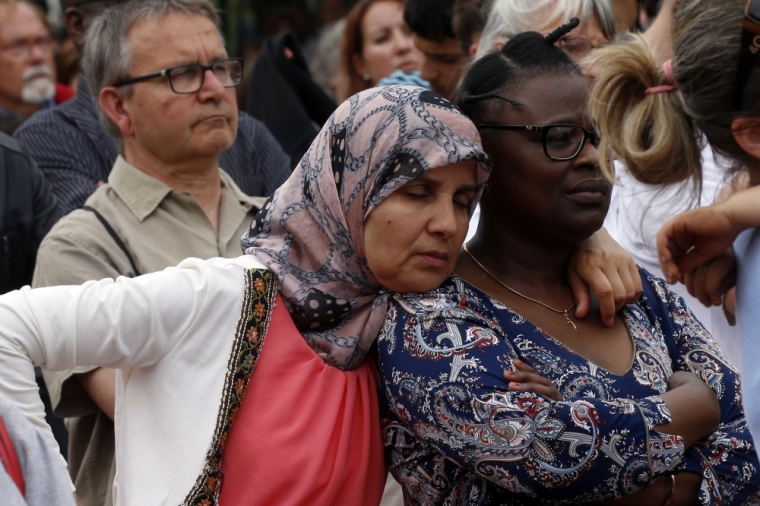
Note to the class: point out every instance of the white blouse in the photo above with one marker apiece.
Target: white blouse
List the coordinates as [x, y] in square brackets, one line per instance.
[638, 211]
[178, 326]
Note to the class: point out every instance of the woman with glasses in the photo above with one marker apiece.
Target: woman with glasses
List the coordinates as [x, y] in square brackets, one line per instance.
[507, 18]
[245, 381]
[644, 411]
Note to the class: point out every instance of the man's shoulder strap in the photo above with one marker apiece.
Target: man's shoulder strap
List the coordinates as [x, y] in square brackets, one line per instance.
[114, 236]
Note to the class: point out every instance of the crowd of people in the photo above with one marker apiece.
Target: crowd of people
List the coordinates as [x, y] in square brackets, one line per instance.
[464, 252]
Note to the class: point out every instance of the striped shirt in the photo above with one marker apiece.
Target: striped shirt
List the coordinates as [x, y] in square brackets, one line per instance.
[75, 152]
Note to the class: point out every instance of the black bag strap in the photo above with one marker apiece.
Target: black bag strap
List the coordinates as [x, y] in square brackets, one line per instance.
[114, 236]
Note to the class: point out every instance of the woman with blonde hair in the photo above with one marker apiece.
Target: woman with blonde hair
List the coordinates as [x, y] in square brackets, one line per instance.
[652, 139]
[717, 73]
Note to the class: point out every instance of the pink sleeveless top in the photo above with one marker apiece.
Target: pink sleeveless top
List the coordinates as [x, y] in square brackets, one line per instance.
[306, 433]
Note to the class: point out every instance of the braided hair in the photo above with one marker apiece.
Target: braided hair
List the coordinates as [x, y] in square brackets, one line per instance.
[523, 57]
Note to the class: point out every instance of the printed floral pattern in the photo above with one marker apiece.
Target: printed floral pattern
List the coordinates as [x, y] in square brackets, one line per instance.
[258, 303]
[456, 435]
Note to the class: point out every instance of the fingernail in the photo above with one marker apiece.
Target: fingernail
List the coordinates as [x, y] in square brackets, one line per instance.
[513, 384]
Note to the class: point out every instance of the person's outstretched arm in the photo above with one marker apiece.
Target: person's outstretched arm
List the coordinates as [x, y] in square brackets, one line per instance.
[125, 323]
[700, 235]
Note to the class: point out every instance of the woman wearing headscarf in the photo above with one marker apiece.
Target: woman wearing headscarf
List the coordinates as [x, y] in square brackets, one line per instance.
[190, 341]
[221, 396]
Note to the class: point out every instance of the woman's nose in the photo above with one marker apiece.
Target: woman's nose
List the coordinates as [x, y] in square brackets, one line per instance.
[588, 156]
[443, 219]
[404, 42]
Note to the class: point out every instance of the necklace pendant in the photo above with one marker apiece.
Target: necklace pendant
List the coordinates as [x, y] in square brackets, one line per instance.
[569, 321]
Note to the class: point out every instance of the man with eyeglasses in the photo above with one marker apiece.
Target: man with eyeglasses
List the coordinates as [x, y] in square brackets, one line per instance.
[26, 64]
[76, 153]
[165, 85]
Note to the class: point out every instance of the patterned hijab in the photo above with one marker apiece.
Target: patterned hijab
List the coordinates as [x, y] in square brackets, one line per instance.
[310, 233]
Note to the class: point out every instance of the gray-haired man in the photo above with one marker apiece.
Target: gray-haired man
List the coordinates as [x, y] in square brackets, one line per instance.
[26, 63]
[165, 86]
[76, 153]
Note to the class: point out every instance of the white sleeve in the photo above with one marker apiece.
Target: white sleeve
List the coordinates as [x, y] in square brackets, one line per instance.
[125, 323]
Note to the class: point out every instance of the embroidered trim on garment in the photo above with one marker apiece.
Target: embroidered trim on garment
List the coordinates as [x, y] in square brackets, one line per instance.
[256, 314]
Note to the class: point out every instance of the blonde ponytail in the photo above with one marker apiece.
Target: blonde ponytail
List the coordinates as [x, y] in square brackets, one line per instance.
[651, 134]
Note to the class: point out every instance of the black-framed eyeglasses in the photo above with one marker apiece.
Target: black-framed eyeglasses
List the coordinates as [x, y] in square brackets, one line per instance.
[190, 78]
[562, 141]
[750, 50]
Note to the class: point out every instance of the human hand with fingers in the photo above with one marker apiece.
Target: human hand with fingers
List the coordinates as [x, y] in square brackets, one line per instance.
[600, 265]
[701, 235]
[710, 281]
[526, 379]
[694, 238]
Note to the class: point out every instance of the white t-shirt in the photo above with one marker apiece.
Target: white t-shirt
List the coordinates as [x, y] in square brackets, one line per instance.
[638, 211]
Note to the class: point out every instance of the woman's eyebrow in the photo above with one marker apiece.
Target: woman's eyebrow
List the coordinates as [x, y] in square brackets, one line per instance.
[379, 30]
[569, 119]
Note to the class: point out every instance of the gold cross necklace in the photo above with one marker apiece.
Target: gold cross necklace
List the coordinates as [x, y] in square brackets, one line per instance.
[563, 312]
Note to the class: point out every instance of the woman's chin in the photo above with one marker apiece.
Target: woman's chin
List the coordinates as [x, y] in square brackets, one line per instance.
[416, 284]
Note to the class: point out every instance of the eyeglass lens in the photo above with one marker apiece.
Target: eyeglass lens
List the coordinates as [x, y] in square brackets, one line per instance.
[189, 78]
[23, 47]
[565, 141]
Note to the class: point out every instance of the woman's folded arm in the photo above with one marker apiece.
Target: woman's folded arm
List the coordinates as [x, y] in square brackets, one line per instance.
[442, 378]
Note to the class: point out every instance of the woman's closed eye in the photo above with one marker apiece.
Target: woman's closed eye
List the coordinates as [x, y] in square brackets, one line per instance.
[418, 193]
[381, 37]
[460, 199]
[463, 200]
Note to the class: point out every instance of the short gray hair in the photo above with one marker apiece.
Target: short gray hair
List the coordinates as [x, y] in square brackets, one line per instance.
[106, 57]
[507, 18]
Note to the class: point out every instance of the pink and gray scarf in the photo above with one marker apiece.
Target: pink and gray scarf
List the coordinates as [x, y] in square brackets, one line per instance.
[310, 232]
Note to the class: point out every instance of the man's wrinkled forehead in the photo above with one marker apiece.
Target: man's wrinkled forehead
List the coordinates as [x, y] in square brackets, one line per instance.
[177, 36]
[11, 9]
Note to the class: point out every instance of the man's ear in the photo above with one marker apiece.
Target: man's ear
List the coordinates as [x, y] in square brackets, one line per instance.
[74, 19]
[747, 135]
[113, 105]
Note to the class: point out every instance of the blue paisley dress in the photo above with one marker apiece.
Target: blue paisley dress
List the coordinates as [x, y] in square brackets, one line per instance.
[455, 434]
